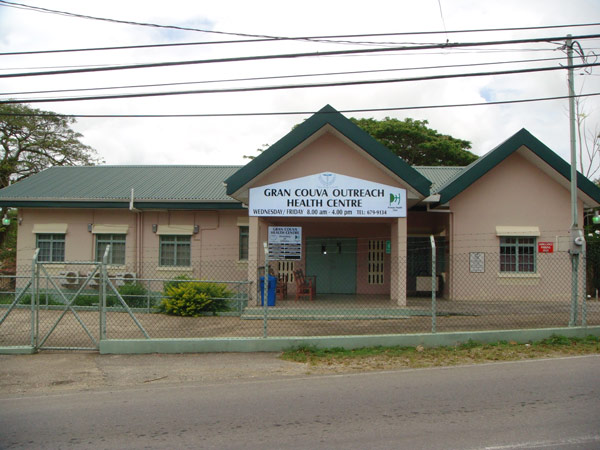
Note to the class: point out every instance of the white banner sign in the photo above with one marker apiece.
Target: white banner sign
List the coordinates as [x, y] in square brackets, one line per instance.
[327, 194]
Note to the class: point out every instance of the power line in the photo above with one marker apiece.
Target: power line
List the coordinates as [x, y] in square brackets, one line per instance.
[297, 86]
[429, 53]
[290, 113]
[125, 22]
[261, 38]
[299, 55]
[278, 77]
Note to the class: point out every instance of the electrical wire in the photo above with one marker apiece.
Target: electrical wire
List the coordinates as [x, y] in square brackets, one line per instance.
[290, 113]
[297, 86]
[262, 37]
[429, 53]
[278, 77]
[299, 55]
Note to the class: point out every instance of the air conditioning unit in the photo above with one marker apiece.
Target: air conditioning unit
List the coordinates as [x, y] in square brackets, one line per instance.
[121, 279]
[95, 281]
[69, 278]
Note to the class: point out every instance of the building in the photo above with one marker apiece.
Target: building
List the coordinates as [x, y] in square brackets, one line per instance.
[365, 216]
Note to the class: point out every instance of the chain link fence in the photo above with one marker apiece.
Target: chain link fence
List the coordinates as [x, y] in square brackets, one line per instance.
[76, 304]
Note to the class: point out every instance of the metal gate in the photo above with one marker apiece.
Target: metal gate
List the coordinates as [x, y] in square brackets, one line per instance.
[61, 323]
[58, 309]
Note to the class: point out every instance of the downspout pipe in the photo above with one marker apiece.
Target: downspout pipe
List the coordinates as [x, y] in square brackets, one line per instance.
[138, 234]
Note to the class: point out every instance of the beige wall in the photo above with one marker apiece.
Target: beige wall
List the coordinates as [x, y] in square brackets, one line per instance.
[514, 193]
[215, 248]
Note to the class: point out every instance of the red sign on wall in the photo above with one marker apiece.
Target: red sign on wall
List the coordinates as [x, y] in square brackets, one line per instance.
[545, 247]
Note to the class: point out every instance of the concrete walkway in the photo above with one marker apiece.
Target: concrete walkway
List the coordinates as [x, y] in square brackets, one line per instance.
[58, 372]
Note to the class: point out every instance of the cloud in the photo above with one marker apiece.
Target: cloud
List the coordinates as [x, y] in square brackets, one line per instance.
[224, 140]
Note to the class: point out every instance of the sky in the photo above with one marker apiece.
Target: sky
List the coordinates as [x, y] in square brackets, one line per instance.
[225, 140]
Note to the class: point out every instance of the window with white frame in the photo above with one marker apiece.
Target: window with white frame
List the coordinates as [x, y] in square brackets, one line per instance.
[175, 251]
[52, 247]
[116, 256]
[517, 254]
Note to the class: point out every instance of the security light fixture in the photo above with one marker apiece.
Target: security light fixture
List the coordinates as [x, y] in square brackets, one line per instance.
[323, 249]
[5, 220]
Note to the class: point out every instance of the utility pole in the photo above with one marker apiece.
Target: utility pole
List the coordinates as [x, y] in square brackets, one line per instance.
[577, 240]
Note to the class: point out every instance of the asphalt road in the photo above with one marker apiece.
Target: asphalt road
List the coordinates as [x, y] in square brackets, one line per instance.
[549, 404]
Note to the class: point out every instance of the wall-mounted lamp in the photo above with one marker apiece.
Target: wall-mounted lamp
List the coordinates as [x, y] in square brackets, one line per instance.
[5, 220]
[154, 227]
[196, 229]
[323, 249]
[90, 227]
[595, 219]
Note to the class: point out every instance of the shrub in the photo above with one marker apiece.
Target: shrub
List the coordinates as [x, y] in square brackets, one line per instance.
[192, 298]
[134, 295]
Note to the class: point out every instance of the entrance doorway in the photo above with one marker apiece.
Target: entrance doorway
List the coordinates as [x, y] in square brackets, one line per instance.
[333, 262]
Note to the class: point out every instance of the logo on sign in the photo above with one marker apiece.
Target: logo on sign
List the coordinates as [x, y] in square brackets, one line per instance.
[395, 200]
[327, 179]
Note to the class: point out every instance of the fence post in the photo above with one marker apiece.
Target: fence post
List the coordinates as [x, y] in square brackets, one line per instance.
[265, 298]
[584, 301]
[574, 282]
[103, 287]
[34, 280]
[433, 286]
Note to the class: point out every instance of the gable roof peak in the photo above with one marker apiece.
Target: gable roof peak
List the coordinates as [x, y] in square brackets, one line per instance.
[522, 138]
[327, 115]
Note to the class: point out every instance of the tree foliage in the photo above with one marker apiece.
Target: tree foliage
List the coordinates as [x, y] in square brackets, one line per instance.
[32, 140]
[418, 144]
[588, 141]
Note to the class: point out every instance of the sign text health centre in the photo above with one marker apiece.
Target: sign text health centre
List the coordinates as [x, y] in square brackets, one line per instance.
[327, 194]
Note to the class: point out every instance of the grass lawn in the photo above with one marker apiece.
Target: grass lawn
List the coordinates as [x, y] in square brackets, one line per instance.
[382, 358]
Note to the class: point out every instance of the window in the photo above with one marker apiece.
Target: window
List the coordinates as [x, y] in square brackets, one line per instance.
[117, 249]
[175, 251]
[52, 247]
[243, 243]
[517, 254]
[376, 261]
[285, 271]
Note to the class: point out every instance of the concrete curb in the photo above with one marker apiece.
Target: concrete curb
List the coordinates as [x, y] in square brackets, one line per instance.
[17, 350]
[275, 344]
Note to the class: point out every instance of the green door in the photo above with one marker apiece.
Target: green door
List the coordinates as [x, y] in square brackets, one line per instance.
[333, 262]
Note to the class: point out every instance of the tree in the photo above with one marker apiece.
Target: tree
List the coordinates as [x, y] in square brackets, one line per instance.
[418, 144]
[414, 142]
[588, 142]
[32, 140]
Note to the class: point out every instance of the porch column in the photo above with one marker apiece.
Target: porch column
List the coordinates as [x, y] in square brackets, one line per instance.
[398, 260]
[253, 256]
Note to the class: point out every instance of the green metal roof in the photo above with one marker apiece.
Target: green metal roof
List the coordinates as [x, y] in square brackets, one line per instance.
[522, 138]
[154, 186]
[328, 116]
[202, 187]
[439, 175]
